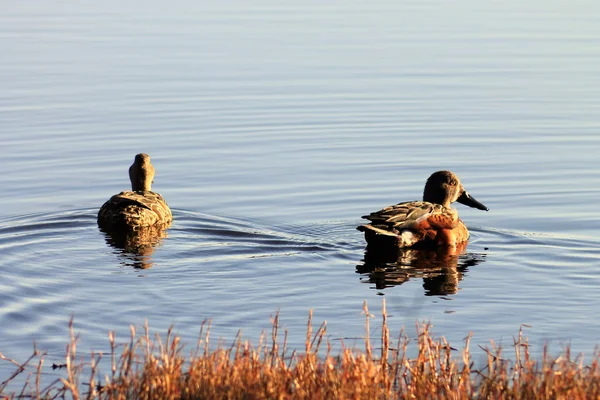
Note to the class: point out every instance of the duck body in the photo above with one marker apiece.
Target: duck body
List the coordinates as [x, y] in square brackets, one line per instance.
[138, 208]
[415, 222]
[428, 223]
[131, 210]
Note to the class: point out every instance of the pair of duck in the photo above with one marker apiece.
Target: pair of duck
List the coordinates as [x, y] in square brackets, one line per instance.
[431, 222]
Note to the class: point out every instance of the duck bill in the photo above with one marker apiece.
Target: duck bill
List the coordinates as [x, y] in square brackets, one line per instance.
[466, 199]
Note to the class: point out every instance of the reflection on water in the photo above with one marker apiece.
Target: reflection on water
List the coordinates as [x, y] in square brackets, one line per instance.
[136, 247]
[441, 269]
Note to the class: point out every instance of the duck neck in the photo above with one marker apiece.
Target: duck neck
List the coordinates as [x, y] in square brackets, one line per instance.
[436, 198]
[142, 186]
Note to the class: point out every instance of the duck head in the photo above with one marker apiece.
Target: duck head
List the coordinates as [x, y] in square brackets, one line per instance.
[444, 187]
[141, 173]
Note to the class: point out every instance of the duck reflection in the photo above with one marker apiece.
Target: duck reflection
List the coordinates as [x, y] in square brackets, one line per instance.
[440, 268]
[136, 247]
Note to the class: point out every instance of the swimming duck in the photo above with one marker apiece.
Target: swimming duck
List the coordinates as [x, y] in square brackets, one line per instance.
[431, 222]
[140, 207]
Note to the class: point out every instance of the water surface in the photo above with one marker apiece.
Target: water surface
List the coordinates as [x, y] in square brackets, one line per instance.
[273, 127]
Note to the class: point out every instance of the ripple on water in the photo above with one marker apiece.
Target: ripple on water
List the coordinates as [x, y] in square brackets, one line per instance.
[61, 264]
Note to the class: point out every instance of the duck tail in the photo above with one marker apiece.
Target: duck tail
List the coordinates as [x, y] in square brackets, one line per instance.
[377, 236]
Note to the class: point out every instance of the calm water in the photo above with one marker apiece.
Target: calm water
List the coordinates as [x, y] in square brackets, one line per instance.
[273, 127]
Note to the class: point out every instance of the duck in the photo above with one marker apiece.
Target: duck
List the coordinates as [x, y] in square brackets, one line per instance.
[428, 223]
[140, 207]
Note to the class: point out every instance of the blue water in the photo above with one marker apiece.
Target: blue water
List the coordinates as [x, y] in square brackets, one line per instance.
[273, 127]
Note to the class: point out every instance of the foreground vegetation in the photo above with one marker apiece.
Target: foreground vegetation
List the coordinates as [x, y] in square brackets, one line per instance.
[155, 368]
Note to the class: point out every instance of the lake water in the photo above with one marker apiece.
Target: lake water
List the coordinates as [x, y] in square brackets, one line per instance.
[273, 127]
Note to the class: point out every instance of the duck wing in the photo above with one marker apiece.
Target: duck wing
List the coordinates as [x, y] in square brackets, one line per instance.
[413, 215]
[124, 199]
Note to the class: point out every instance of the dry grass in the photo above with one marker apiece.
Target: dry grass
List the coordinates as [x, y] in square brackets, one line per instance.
[155, 368]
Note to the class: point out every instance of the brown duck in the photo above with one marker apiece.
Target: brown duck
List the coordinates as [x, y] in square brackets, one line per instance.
[140, 207]
[431, 222]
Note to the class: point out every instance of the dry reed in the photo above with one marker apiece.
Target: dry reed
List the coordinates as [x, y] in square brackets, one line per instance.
[153, 368]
